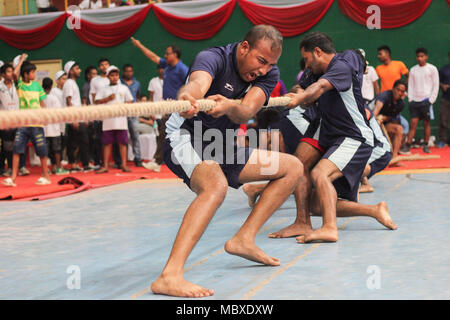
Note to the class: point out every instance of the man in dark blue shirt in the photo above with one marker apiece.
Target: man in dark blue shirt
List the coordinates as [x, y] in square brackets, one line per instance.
[388, 107]
[175, 73]
[444, 106]
[344, 131]
[244, 70]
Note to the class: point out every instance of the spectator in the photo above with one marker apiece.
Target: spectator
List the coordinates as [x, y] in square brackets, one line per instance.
[388, 106]
[134, 86]
[57, 91]
[175, 73]
[115, 130]
[94, 127]
[53, 131]
[31, 96]
[389, 72]
[444, 79]
[89, 74]
[370, 88]
[100, 81]
[9, 100]
[77, 134]
[45, 6]
[155, 94]
[423, 89]
[96, 4]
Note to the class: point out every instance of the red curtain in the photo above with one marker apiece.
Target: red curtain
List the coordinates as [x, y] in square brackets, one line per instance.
[393, 13]
[198, 28]
[290, 21]
[109, 35]
[34, 38]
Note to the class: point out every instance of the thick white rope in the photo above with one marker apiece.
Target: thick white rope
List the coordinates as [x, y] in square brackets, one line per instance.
[21, 118]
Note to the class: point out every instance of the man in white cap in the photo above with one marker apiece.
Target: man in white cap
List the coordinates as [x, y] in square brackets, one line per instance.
[115, 130]
[77, 134]
[57, 91]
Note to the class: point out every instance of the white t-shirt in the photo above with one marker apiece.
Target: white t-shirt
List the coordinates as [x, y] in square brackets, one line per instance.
[71, 89]
[423, 82]
[369, 78]
[97, 84]
[58, 93]
[156, 86]
[96, 5]
[123, 95]
[53, 129]
[9, 100]
[42, 3]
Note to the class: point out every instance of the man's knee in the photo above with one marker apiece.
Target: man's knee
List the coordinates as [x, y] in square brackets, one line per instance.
[208, 178]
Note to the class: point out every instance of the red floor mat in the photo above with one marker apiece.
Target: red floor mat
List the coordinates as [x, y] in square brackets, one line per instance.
[75, 182]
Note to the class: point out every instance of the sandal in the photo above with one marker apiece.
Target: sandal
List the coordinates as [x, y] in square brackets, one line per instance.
[102, 170]
[9, 182]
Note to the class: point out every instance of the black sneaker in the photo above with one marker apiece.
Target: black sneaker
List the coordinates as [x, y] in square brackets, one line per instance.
[405, 149]
[426, 149]
[138, 163]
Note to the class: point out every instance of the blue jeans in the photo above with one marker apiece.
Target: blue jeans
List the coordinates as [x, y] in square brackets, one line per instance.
[134, 136]
[35, 135]
[405, 124]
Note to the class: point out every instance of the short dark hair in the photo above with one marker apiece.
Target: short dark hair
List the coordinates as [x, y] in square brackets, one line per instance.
[26, 68]
[176, 50]
[87, 71]
[128, 65]
[263, 31]
[47, 83]
[317, 39]
[385, 48]
[103, 60]
[399, 82]
[5, 67]
[421, 50]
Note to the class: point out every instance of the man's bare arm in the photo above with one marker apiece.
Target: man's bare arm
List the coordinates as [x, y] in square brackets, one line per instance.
[310, 94]
[147, 52]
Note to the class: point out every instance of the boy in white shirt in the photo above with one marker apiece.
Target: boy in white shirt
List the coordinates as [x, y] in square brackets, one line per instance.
[423, 89]
[53, 131]
[115, 130]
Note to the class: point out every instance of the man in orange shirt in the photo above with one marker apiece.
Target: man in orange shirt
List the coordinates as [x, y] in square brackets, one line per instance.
[390, 70]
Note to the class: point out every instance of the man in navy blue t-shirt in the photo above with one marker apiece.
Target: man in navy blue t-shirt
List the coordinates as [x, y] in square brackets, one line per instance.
[175, 73]
[200, 149]
[344, 131]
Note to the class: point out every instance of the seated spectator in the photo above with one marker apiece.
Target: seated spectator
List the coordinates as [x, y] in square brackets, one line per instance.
[115, 130]
[388, 106]
[53, 131]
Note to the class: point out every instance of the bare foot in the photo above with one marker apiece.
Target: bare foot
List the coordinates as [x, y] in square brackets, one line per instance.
[383, 216]
[365, 188]
[178, 287]
[251, 194]
[249, 251]
[295, 229]
[322, 235]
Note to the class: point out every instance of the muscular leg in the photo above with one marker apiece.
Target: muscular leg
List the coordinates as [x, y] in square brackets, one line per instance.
[282, 183]
[395, 131]
[309, 156]
[210, 185]
[323, 175]
[345, 209]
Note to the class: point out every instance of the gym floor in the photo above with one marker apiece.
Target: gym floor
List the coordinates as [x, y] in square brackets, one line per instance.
[112, 242]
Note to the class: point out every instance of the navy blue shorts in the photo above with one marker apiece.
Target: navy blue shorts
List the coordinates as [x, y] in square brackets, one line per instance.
[183, 152]
[34, 134]
[380, 163]
[351, 157]
[296, 127]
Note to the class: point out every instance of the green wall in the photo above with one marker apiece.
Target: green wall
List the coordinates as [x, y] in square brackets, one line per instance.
[431, 30]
